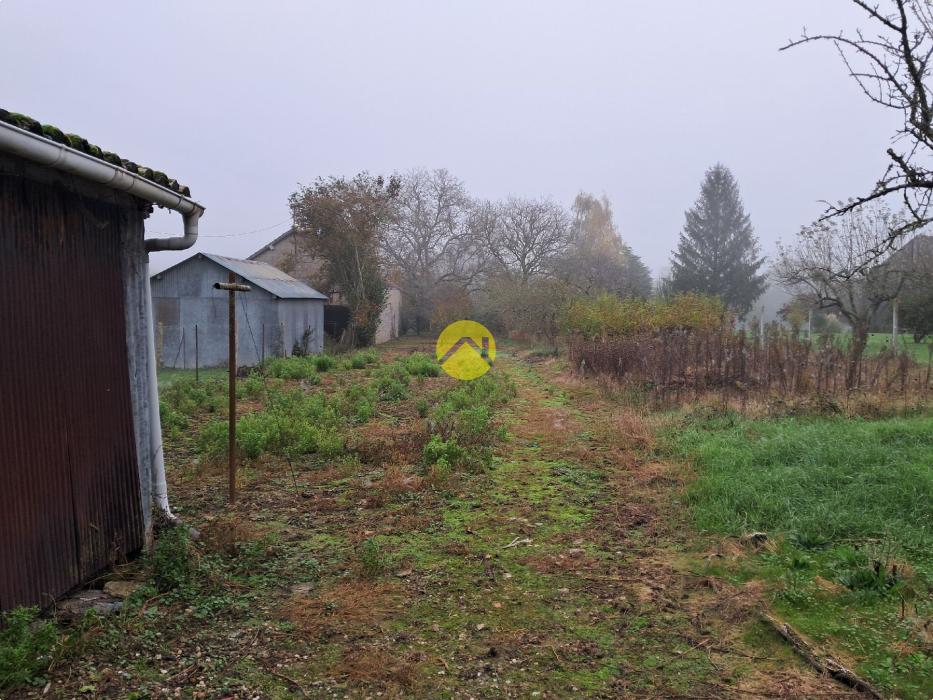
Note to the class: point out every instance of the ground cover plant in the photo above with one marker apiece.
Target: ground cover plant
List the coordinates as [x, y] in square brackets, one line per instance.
[844, 507]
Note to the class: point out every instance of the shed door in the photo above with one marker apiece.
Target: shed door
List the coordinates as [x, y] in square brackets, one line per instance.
[69, 495]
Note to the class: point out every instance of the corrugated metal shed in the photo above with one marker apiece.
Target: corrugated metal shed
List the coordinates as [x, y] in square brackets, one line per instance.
[279, 313]
[267, 277]
[70, 491]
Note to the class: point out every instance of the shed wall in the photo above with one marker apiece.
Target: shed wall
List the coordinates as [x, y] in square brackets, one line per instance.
[69, 472]
[186, 303]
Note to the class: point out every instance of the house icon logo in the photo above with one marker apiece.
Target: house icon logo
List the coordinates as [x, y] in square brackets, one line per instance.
[466, 350]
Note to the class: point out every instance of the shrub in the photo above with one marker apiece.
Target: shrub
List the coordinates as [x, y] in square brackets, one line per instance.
[444, 452]
[608, 315]
[171, 564]
[25, 646]
[250, 387]
[292, 368]
[324, 363]
[421, 406]
[373, 560]
[365, 410]
[173, 422]
[212, 440]
[360, 359]
[420, 364]
[187, 397]
[293, 423]
[391, 389]
[256, 432]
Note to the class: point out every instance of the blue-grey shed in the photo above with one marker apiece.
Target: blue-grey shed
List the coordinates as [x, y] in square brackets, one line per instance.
[279, 317]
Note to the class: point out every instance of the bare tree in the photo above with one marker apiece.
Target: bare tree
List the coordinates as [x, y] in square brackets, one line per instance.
[826, 266]
[428, 243]
[522, 237]
[597, 260]
[892, 67]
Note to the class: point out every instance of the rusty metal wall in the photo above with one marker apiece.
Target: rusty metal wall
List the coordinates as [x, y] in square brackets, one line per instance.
[69, 486]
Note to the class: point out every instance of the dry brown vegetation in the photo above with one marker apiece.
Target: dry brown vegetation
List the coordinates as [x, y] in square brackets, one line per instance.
[682, 365]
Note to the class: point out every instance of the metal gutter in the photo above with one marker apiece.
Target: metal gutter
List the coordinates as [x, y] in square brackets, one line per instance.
[60, 157]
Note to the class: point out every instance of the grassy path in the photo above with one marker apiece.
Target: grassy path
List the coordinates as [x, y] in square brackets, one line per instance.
[555, 574]
[563, 570]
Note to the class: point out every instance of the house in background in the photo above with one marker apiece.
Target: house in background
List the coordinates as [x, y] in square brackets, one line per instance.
[279, 316]
[81, 467]
[285, 253]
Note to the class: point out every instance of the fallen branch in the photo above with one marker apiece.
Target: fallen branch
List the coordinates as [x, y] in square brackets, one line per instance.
[291, 681]
[517, 541]
[824, 664]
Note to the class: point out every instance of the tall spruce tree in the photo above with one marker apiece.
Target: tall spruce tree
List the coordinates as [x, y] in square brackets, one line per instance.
[718, 252]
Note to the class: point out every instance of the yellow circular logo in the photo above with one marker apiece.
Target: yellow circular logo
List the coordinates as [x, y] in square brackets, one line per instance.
[466, 349]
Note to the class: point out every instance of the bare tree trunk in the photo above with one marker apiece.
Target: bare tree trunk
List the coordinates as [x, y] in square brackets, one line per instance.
[856, 349]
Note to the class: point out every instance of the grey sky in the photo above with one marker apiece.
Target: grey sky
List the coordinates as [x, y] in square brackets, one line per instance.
[243, 100]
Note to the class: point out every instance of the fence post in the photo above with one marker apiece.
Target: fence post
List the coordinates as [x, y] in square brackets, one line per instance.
[231, 367]
[894, 326]
[232, 287]
[262, 347]
[184, 350]
[197, 358]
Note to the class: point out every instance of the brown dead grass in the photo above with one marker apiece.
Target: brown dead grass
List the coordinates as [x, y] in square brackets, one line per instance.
[350, 608]
[378, 667]
[631, 430]
[382, 444]
[225, 533]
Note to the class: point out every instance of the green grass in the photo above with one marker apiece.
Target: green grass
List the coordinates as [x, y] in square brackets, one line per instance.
[881, 342]
[168, 376]
[845, 500]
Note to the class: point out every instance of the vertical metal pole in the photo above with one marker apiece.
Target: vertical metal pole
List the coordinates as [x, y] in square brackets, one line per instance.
[810, 325]
[184, 350]
[262, 351]
[197, 357]
[232, 386]
[894, 326]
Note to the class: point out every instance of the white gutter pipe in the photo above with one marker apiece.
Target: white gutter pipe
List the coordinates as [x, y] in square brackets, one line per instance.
[60, 157]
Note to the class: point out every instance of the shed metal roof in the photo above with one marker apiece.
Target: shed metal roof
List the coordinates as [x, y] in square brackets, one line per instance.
[263, 275]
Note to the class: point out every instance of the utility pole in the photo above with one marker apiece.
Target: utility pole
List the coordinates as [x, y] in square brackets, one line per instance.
[232, 287]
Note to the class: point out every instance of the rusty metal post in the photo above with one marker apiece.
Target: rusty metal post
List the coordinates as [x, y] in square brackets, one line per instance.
[232, 288]
[231, 363]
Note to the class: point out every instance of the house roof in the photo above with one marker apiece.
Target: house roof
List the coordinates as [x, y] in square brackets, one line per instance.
[271, 244]
[78, 143]
[261, 274]
[288, 234]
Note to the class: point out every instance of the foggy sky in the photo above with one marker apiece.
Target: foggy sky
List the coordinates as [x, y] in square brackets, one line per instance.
[244, 100]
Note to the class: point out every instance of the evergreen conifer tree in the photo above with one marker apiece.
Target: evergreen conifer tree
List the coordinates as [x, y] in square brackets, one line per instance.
[718, 252]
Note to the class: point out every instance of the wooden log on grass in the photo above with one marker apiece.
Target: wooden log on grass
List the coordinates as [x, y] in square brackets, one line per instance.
[826, 665]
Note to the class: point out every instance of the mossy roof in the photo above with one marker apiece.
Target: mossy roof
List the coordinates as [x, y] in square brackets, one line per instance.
[78, 143]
